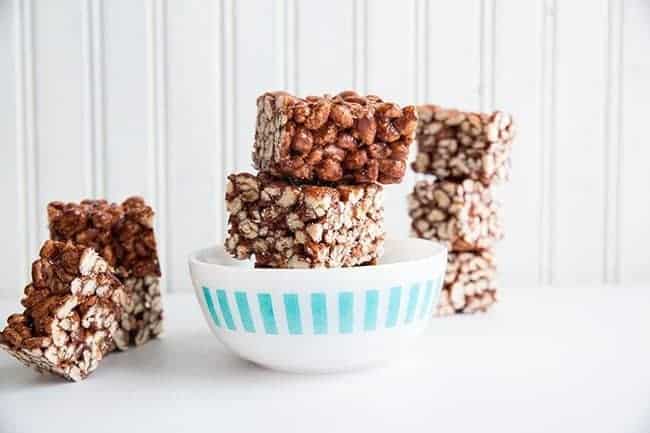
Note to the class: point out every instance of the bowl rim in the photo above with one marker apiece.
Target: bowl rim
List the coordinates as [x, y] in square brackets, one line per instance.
[436, 249]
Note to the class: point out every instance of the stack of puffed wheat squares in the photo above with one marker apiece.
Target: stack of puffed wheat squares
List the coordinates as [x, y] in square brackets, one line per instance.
[95, 288]
[466, 154]
[317, 199]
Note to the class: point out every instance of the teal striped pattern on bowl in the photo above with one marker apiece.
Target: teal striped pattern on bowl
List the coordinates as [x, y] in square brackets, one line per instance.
[321, 312]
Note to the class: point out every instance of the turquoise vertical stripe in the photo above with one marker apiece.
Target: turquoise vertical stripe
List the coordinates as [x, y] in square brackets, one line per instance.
[393, 306]
[370, 313]
[292, 309]
[244, 311]
[346, 312]
[414, 293]
[225, 309]
[266, 310]
[436, 297]
[210, 304]
[424, 307]
[319, 312]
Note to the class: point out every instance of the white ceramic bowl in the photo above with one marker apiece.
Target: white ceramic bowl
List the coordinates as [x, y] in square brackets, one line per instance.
[320, 320]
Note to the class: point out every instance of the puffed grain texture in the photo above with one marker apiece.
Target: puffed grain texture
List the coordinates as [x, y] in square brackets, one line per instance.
[458, 145]
[342, 139]
[303, 226]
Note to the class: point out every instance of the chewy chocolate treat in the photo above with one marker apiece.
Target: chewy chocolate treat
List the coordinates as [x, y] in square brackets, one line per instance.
[461, 215]
[456, 145]
[71, 311]
[123, 235]
[303, 226]
[470, 283]
[342, 139]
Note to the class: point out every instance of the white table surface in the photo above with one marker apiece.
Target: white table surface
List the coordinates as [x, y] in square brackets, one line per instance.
[546, 360]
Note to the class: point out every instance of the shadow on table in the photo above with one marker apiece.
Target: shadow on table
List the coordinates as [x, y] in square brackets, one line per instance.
[17, 377]
[187, 360]
[198, 358]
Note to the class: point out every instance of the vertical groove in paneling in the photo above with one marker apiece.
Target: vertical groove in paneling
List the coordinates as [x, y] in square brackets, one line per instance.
[157, 108]
[364, 51]
[93, 112]
[612, 141]
[547, 132]
[618, 273]
[486, 64]
[26, 127]
[619, 143]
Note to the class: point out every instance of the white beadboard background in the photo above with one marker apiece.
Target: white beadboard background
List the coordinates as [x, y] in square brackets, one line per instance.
[157, 97]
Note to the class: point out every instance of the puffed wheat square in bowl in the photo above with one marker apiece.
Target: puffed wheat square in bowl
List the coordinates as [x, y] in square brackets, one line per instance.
[321, 320]
[285, 225]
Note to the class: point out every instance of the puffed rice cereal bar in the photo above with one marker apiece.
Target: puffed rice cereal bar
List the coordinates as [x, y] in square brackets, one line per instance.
[71, 310]
[456, 145]
[342, 139]
[463, 215]
[470, 283]
[303, 226]
[124, 235]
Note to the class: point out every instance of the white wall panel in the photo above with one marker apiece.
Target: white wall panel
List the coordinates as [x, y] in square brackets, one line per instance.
[255, 66]
[391, 54]
[61, 153]
[613, 143]
[12, 190]
[454, 53]
[128, 154]
[635, 174]
[517, 89]
[324, 44]
[578, 149]
[390, 72]
[157, 97]
[195, 202]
